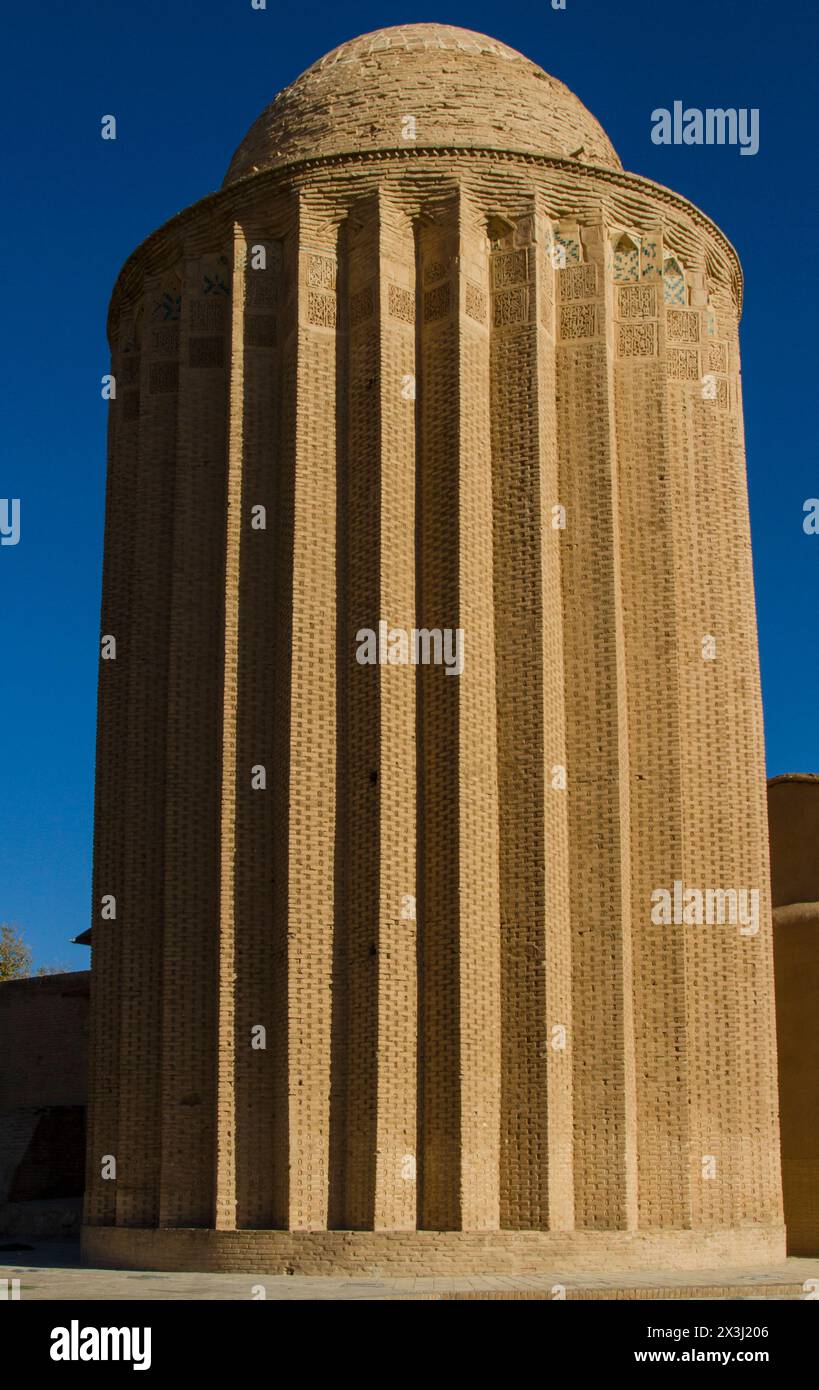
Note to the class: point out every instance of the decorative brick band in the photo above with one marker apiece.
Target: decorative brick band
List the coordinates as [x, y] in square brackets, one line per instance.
[285, 177]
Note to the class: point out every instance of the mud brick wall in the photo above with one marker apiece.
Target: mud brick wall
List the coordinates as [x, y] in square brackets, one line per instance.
[793, 814]
[43, 1087]
[44, 1040]
[793, 804]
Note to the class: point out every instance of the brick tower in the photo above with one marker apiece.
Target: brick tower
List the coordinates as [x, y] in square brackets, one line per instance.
[379, 978]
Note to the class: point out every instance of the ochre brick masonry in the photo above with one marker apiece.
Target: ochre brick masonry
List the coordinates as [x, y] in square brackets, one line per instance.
[431, 359]
[399, 1253]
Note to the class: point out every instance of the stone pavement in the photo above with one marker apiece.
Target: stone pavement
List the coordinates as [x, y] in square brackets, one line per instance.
[54, 1272]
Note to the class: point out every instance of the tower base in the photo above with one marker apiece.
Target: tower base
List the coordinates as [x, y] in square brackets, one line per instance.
[401, 1253]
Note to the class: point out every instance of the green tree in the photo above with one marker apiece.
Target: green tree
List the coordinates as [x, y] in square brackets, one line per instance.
[15, 956]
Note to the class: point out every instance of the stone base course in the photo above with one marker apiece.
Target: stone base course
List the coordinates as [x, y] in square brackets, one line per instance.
[398, 1253]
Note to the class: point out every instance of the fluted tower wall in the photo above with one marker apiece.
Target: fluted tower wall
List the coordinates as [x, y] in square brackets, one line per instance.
[466, 390]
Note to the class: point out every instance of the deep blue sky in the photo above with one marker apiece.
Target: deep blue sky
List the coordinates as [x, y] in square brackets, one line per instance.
[185, 78]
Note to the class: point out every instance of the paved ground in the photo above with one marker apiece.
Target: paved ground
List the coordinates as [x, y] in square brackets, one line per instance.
[53, 1271]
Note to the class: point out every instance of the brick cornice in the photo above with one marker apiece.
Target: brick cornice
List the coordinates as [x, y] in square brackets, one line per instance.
[284, 174]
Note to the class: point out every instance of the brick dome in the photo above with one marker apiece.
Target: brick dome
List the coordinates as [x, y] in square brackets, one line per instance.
[462, 88]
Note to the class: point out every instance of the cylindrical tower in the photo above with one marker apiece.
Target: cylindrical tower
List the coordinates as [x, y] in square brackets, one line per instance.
[433, 705]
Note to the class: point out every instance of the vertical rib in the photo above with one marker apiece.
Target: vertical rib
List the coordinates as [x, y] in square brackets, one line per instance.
[479, 913]
[262, 670]
[395, 1185]
[195, 690]
[152, 484]
[460, 1012]
[656, 799]
[597, 749]
[729, 1010]
[534, 921]
[360, 524]
[110, 809]
[440, 538]
[311, 886]
[232, 774]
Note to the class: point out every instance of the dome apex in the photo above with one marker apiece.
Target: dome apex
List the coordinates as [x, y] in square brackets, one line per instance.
[461, 88]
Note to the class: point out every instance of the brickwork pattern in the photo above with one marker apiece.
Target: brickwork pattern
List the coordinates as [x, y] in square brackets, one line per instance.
[452, 83]
[398, 1253]
[433, 894]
